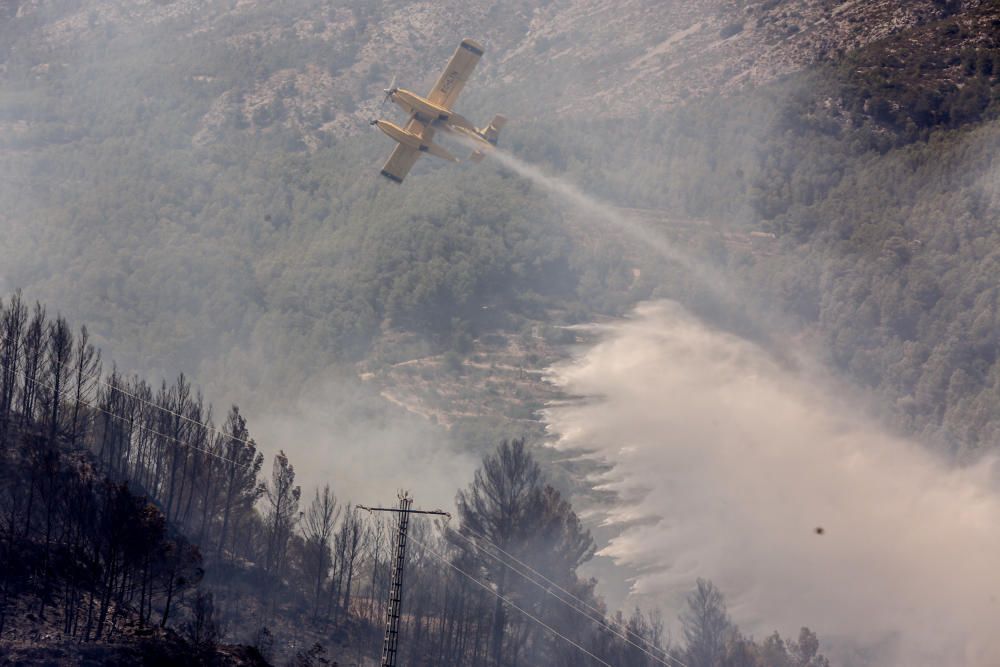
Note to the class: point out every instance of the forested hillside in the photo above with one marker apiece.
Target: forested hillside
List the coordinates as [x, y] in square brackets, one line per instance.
[248, 245]
[195, 181]
[135, 529]
[268, 235]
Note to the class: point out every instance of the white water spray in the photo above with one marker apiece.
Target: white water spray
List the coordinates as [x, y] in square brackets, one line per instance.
[728, 462]
[596, 212]
[743, 306]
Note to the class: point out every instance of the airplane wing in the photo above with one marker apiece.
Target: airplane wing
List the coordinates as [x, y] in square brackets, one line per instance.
[400, 162]
[453, 79]
[404, 157]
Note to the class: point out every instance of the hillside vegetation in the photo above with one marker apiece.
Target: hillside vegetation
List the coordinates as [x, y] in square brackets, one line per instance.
[213, 209]
[193, 180]
[134, 529]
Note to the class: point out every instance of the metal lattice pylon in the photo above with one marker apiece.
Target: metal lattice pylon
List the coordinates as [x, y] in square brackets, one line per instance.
[390, 643]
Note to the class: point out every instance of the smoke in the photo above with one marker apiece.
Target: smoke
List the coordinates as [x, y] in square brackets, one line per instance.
[727, 463]
[341, 433]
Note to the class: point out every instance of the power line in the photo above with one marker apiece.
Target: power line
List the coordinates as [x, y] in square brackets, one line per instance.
[98, 376]
[599, 619]
[140, 426]
[248, 442]
[132, 422]
[118, 388]
[600, 615]
[508, 602]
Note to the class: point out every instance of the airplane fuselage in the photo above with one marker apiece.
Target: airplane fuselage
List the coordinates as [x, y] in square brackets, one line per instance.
[429, 112]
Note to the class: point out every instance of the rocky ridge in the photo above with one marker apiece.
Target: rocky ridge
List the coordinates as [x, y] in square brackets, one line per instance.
[570, 58]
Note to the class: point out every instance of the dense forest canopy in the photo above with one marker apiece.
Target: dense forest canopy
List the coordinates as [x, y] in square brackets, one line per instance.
[254, 253]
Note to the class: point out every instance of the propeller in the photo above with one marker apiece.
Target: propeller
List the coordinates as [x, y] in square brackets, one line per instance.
[390, 91]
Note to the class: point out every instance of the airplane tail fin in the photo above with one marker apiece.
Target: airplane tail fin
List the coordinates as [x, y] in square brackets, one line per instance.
[490, 133]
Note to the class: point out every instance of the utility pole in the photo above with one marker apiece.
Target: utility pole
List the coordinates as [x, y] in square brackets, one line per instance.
[390, 643]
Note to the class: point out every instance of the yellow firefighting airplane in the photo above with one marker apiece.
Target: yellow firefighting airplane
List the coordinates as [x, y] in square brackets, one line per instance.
[433, 112]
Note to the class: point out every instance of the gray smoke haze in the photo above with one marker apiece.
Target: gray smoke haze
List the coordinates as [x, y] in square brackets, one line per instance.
[727, 462]
[342, 433]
